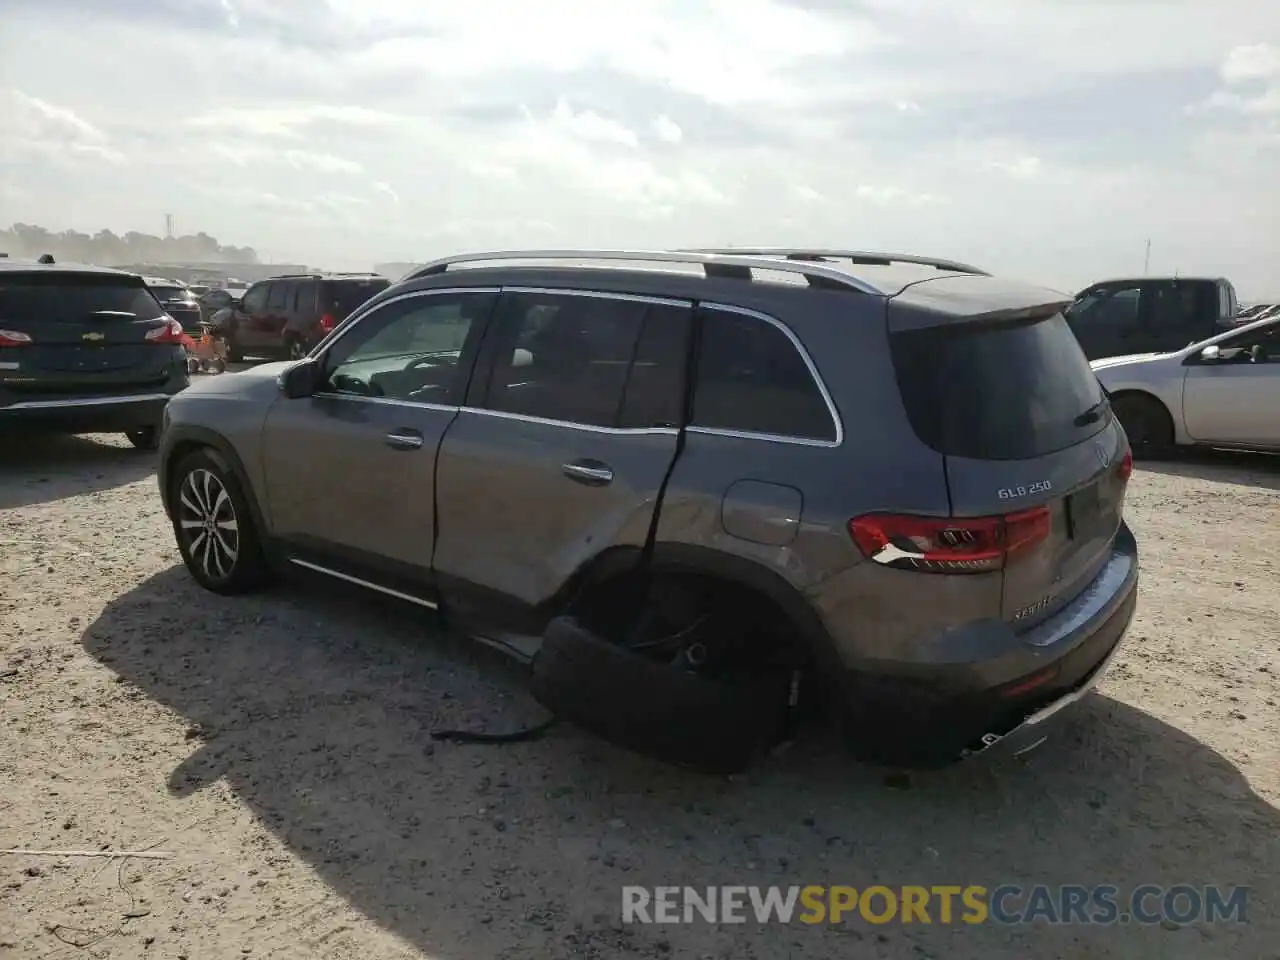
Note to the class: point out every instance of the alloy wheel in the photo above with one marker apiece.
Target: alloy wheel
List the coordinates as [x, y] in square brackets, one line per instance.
[208, 523]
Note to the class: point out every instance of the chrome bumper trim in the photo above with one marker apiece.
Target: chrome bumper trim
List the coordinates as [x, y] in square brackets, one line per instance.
[989, 740]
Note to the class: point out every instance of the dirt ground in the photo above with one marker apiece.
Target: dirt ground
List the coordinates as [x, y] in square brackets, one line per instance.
[278, 747]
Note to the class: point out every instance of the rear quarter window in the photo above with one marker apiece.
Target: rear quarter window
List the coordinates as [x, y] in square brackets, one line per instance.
[997, 392]
[345, 296]
[753, 379]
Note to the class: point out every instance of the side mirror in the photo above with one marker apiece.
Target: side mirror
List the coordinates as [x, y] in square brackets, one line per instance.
[301, 379]
[1211, 353]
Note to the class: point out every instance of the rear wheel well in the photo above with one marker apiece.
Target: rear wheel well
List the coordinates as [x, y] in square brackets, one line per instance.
[699, 619]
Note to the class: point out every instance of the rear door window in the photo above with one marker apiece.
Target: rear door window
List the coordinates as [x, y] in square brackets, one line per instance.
[752, 379]
[998, 392]
[304, 296]
[1177, 313]
[278, 298]
[564, 357]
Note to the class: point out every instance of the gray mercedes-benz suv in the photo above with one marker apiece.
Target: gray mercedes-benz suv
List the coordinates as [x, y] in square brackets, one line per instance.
[699, 490]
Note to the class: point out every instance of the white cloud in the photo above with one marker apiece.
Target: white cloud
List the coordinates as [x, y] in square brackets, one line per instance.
[1258, 61]
[589, 126]
[1020, 168]
[32, 125]
[246, 154]
[667, 130]
[286, 121]
[889, 196]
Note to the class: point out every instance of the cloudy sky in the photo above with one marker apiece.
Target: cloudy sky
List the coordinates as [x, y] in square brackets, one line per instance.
[1047, 139]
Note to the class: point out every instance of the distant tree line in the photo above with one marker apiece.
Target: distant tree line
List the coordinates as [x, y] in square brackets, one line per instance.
[107, 248]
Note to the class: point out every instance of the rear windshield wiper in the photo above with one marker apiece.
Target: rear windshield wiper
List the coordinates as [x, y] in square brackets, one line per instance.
[1093, 414]
[108, 314]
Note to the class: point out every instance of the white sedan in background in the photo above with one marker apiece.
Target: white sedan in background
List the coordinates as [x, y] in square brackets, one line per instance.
[1220, 392]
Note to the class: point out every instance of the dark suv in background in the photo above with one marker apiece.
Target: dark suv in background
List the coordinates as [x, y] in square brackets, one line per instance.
[1117, 318]
[288, 315]
[889, 485]
[85, 350]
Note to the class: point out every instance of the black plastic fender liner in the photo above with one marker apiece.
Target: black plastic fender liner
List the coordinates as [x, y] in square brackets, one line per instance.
[654, 708]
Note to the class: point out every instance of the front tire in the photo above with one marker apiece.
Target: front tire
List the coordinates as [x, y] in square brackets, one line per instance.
[144, 438]
[1147, 424]
[214, 525]
[296, 349]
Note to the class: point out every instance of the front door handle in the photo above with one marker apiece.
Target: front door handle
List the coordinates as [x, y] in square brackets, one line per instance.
[589, 471]
[404, 440]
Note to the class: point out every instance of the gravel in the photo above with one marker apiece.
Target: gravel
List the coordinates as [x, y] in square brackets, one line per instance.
[278, 746]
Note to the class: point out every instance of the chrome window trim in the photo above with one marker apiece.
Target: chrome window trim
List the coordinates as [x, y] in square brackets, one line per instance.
[385, 401]
[813, 373]
[570, 424]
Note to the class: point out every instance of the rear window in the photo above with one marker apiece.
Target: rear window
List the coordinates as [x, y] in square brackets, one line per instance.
[345, 295]
[1006, 392]
[164, 294]
[70, 298]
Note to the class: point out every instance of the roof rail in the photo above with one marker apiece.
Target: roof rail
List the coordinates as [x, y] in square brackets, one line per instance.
[714, 264]
[863, 257]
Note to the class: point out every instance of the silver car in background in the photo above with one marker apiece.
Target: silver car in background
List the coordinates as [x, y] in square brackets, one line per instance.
[1220, 392]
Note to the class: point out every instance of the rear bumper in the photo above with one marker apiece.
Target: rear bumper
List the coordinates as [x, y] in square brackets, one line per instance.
[1009, 695]
[85, 414]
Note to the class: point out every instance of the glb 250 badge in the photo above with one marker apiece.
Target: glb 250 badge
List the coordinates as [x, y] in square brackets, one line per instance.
[1034, 608]
[1031, 489]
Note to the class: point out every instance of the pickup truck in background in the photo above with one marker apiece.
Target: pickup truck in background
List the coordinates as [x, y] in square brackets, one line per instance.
[1115, 318]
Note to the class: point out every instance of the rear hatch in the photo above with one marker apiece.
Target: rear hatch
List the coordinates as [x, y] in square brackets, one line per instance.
[1036, 464]
[66, 331]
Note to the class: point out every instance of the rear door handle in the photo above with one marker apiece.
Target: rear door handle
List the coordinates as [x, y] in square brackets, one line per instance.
[589, 471]
[404, 440]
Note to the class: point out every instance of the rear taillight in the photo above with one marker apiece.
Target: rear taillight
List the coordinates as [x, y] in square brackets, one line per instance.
[949, 544]
[328, 322]
[171, 332]
[1125, 468]
[15, 338]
